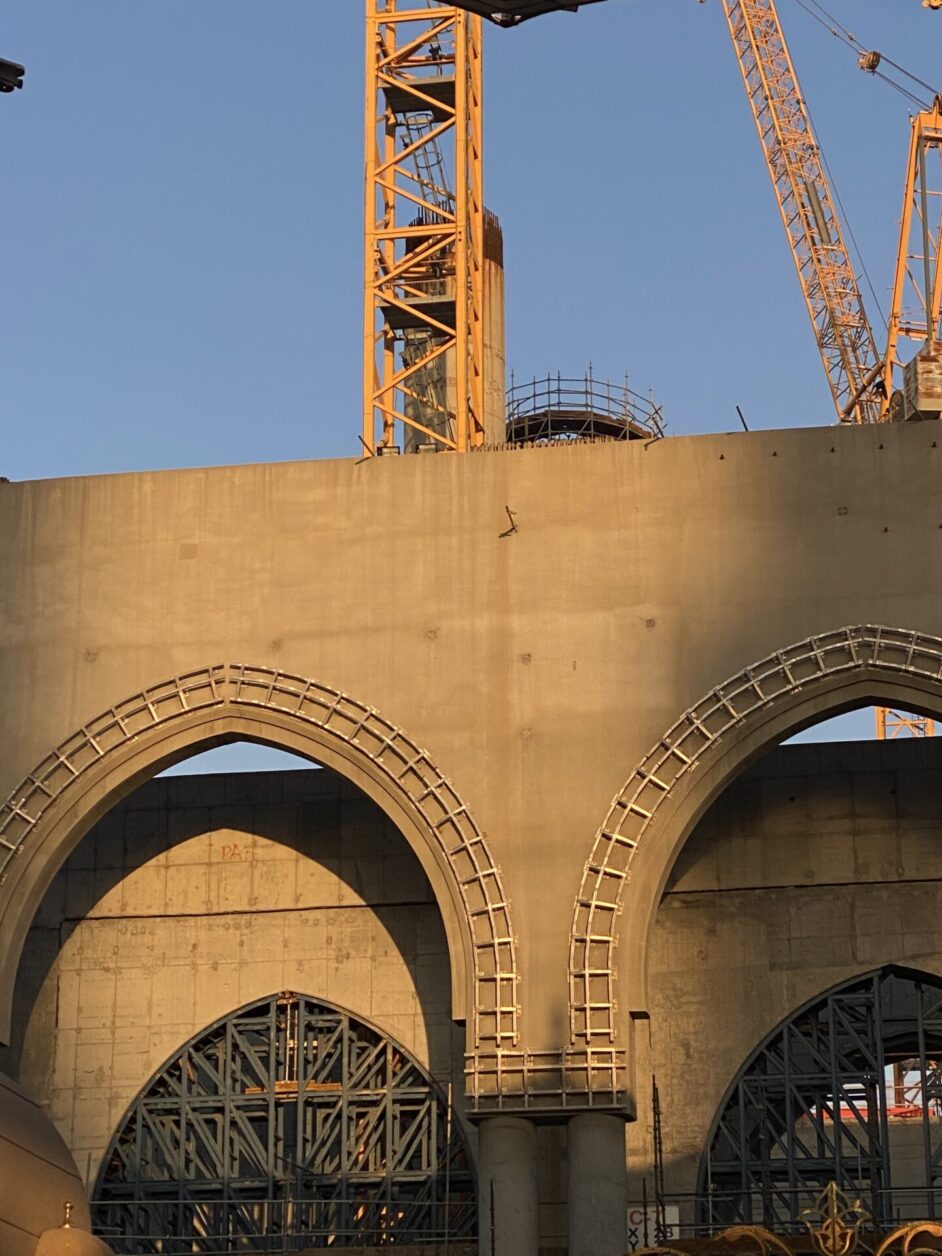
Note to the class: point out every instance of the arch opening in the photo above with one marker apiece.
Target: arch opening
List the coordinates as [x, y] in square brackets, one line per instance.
[197, 893]
[287, 1125]
[846, 1089]
[688, 768]
[48, 813]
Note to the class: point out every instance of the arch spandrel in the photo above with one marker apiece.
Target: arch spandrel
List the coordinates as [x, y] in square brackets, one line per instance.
[47, 814]
[673, 785]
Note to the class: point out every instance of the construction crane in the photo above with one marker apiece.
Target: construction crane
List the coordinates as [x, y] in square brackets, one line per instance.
[917, 282]
[425, 229]
[845, 339]
[863, 381]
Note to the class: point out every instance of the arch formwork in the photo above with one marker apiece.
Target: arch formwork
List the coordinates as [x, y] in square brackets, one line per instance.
[654, 813]
[48, 813]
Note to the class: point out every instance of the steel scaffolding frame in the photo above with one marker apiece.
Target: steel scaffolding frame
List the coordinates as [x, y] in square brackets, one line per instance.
[287, 1125]
[424, 255]
[813, 1105]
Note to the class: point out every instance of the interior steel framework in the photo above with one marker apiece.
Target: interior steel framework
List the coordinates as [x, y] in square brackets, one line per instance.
[287, 1125]
[424, 257]
[828, 1097]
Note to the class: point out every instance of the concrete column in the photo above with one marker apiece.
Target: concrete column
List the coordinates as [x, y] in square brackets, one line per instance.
[508, 1215]
[598, 1186]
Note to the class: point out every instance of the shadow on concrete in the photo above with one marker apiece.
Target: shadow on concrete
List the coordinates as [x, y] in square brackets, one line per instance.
[313, 811]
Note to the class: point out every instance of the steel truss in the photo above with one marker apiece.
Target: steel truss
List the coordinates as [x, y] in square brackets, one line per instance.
[916, 305]
[893, 724]
[424, 289]
[285, 1126]
[845, 339]
[815, 1104]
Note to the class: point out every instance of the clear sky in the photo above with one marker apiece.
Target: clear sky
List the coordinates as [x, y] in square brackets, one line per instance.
[182, 217]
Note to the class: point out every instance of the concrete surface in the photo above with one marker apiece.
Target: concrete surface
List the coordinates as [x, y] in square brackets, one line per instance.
[199, 895]
[536, 668]
[533, 670]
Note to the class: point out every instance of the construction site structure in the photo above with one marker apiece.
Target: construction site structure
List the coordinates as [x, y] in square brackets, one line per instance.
[842, 330]
[425, 229]
[892, 724]
[917, 282]
[554, 409]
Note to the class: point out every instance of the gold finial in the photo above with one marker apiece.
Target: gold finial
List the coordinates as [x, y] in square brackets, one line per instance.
[834, 1222]
[67, 1224]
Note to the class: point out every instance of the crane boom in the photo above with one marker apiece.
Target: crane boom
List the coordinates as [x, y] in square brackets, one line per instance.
[845, 338]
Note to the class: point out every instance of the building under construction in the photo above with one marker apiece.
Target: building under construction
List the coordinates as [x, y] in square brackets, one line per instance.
[554, 947]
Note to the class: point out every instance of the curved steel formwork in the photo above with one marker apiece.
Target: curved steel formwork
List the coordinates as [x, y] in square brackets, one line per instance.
[286, 1126]
[819, 1100]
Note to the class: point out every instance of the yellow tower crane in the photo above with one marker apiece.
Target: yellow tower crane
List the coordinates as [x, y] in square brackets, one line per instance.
[863, 382]
[917, 282]
[845, 339]
[423, 331]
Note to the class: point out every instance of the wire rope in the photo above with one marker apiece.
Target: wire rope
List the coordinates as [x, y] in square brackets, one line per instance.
[845, 218]
[824, 17]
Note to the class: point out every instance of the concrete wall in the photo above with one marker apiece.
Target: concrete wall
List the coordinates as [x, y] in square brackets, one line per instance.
[821, 863]
[536, 668]
[200, 894]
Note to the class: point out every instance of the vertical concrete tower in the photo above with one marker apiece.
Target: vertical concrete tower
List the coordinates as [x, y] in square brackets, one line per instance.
[495, 347]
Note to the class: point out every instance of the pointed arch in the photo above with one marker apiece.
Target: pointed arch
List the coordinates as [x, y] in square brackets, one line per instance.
[47, 814]
[712, 742]
[819, 1088]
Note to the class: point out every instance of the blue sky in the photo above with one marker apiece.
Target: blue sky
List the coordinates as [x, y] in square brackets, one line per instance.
[181, 219]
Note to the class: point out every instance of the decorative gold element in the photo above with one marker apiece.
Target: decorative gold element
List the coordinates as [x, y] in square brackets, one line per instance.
[834, 1222]
[764, 1240]
[67, 1224]
[834, 1225]
[901, 1240]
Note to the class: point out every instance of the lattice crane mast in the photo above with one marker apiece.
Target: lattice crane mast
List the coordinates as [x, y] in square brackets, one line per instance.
[845, 339]
[916, 304]
[863, 381]
[425, 223]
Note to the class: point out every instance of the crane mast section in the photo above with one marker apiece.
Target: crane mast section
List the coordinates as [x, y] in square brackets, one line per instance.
[916, 304]
[843, 333]
[424, 248]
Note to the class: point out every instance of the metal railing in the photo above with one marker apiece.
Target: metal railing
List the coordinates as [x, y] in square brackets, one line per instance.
[556, 409]
[174, 1227]
[780, 1208]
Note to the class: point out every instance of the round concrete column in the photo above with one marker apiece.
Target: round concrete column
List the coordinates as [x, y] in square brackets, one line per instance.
[598, 1186]
[507, 1216]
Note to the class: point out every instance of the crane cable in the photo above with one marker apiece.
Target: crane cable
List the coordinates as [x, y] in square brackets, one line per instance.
[869, 61]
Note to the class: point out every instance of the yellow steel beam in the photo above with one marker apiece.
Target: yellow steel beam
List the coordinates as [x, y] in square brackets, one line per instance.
[424, 239]
[917, 282]
[842, 330]
[892, 724]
